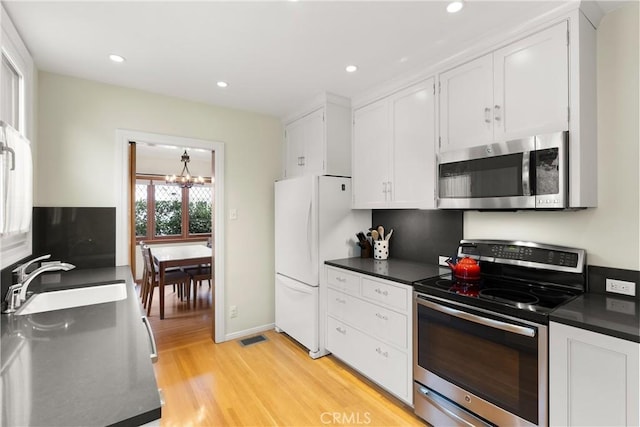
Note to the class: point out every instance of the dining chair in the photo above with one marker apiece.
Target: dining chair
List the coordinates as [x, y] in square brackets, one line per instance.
[174, 277]
[197, 275]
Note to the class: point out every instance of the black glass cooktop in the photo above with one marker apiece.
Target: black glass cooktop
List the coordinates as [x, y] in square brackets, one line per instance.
[512, 297]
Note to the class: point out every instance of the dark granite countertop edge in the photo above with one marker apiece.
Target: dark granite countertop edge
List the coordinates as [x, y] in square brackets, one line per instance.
[595, 328]
[369, 273]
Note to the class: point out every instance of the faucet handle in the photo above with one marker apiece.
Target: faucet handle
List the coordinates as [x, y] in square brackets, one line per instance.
[21, 269]
[12, 298]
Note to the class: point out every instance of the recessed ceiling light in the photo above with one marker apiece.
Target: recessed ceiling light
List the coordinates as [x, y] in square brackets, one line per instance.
[455, 6]
[351, 68]
[222, 84]
[116, 58]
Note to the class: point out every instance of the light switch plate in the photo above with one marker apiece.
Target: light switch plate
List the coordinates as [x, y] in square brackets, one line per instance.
[442, 260]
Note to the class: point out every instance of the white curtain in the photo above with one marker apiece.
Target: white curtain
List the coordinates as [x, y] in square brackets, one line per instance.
[16, 182]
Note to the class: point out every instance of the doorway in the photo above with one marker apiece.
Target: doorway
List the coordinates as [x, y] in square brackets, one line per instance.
[124, 222]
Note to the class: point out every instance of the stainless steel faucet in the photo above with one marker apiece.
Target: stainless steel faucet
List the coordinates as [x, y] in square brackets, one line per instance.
[17, 294]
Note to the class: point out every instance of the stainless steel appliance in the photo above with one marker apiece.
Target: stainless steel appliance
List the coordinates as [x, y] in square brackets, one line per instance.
[528, 173]
[480, 346]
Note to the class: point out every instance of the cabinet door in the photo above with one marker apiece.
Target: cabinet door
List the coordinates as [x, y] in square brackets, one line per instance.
[370, 162]
[314, 143]
[413, 155]
[466, 100]
[294, 136]
[593, 378]
[532, 85]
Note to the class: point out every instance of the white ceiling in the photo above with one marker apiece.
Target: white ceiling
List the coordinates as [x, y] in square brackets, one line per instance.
[275, 56]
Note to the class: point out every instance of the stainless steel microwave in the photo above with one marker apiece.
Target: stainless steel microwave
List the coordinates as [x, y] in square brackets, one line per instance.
[527, 173]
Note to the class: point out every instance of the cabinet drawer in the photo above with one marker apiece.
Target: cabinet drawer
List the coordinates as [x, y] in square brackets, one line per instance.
[376, 360]
[343, 281]
[393, 296]
[369, 317]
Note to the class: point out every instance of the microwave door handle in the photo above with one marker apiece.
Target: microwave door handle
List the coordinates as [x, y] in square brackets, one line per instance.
[526, 173]
[503, 326]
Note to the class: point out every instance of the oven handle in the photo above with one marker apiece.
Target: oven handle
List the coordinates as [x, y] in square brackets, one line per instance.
[520, 330]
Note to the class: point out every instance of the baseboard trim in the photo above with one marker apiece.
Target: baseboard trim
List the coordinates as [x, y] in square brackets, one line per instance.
[252, 331]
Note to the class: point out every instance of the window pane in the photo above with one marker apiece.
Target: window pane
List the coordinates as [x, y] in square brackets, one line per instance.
[199, 210]
[168, 213]
[141, 210]
[10, 90]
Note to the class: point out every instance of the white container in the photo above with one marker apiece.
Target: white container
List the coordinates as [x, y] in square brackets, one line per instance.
[381, 249]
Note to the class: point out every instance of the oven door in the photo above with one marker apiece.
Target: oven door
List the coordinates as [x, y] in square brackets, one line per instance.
[491, 365]
[528, 173]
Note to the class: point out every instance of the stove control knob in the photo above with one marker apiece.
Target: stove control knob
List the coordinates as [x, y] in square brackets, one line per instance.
[467, 399]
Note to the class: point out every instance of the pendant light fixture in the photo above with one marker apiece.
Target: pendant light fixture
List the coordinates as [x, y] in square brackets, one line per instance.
[184, 180]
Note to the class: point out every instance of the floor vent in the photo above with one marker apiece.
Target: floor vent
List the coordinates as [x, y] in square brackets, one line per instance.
[252, 340]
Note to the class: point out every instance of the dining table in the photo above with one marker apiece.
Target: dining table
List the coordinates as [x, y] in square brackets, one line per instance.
[179, 256]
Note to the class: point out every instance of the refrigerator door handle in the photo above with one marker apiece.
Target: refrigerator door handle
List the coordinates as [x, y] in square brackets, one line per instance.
[309, 232]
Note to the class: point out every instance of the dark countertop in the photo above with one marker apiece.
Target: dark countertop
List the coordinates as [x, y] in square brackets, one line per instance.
[614, 315]
[397, 270]
[82, 366]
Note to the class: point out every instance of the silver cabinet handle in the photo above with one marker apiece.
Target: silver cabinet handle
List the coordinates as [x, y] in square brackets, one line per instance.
[381, 316]
[9, 150]
[487, 115]
[389, 189]
[496, 113]
[341, 301]
[503, 326]
[341, 330]
[384, 187]
[381, 292]
[341, 279]
[152, 339]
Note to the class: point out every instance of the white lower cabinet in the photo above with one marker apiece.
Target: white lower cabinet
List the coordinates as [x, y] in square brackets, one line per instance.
[369, 334]
[593, 378]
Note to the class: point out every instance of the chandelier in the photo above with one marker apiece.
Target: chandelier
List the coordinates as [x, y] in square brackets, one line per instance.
[184, 180]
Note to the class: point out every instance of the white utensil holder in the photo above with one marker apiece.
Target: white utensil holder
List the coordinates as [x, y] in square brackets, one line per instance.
[381, 249]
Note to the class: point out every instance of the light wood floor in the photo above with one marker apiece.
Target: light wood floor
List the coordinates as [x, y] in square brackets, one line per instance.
[264, 384]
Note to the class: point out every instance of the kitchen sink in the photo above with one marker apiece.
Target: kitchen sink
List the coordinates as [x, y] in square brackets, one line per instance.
[71, 298]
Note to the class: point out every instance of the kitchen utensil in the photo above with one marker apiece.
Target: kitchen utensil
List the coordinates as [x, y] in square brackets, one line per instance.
[374, 235]
[467, 268]
[381, 232]
[389, 235]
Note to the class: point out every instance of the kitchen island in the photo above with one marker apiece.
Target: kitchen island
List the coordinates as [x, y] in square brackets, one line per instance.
[81, 366]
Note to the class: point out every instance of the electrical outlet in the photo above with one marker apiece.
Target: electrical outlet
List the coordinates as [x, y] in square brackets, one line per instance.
[442, 260]
[621, 287]
[233, 311]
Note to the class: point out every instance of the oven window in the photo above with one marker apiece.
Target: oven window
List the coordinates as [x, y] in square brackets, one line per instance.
[497, 366]
[499, 176]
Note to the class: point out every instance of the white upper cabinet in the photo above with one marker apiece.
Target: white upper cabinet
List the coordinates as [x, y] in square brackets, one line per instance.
[394, 150]
[531, 85]
[317, 142]
[517, 91]
[371, 136]
[466, 104]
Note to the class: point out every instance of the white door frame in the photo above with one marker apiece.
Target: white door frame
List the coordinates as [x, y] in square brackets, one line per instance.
[123, 137]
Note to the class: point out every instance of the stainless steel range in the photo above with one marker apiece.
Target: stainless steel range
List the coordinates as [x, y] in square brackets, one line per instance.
[480, 342]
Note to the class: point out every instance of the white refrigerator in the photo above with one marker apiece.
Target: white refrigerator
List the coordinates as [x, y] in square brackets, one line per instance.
[314, 222]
